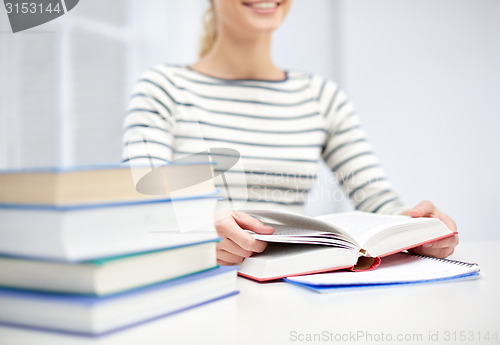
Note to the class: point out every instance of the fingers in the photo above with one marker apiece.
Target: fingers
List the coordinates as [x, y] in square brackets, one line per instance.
[237, 244]
[439, 249]
[435, 252]
[427, 209]
[231, 247]
[447, 220]
[423, 209]
[229, 257]
[451, 241]
[223, 263]
[227, 227]
[250, 223]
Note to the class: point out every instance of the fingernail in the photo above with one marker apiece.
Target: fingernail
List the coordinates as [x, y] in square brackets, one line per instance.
[427, 245]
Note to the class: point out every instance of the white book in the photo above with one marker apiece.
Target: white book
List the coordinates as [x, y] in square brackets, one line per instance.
[78, 233]
[107, 276]
[90, 315]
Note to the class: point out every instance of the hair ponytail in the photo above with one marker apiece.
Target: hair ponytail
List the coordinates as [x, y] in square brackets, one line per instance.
[209, 31]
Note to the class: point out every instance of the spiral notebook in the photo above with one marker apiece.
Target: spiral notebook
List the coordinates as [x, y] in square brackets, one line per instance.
[401, 268]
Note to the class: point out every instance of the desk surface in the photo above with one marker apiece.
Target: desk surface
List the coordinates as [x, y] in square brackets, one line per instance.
[281, 313]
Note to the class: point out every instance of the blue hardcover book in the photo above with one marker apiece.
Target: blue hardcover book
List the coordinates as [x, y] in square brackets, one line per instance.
[397, 269]
[87, 315]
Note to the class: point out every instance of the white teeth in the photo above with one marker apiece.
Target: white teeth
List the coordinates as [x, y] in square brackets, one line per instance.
[264, 5]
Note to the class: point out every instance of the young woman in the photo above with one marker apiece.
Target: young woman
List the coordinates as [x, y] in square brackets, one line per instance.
[281, 123]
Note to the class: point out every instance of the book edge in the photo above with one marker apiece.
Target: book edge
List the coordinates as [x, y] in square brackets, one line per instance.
[295, 274]
[115, 330]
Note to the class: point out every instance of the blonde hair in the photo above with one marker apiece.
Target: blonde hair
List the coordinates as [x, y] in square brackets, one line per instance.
[209, 31]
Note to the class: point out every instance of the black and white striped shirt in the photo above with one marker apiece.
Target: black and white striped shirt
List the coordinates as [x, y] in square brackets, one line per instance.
[280, 128]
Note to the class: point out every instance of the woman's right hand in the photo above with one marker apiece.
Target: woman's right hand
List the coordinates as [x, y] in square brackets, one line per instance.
[237, 244]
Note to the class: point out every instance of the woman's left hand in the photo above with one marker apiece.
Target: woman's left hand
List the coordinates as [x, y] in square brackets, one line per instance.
[440, 248]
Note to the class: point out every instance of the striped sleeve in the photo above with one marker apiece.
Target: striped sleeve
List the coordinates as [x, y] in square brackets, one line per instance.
[351, 158]
[148, 128]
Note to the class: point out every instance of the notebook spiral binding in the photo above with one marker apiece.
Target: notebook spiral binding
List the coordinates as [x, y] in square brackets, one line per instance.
[456, 262]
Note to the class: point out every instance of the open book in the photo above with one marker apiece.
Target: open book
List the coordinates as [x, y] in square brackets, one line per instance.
[357, 240]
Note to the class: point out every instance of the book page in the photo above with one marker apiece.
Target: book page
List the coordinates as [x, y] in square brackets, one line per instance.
[361, 225]
[296, 220]
[281, 250]
[293, 230]
[354, 227]
[293, 234]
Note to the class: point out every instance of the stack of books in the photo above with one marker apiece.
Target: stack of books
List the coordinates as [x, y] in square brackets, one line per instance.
[82, 251]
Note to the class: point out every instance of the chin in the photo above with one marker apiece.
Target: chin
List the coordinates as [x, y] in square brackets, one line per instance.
[264, 15]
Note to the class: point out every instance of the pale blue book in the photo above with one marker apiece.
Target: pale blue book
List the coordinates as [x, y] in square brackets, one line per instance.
[397, 269]
[107, 276]
[95, 316]
[76, 234]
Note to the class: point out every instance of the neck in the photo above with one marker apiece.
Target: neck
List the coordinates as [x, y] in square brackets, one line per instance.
[240, 58]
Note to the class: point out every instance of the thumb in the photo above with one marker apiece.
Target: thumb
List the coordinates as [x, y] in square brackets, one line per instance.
[416, 212]
[423, 209]
[253, 224]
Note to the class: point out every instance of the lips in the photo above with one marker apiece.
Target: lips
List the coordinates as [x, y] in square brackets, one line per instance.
[265, 7]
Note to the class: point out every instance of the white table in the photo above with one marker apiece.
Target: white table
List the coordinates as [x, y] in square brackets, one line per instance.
[280, 313]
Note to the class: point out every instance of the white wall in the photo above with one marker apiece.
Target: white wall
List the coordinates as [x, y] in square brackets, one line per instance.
[306, 40]
[62, 87]
[28, 96]
[166, 31]
[425, 78]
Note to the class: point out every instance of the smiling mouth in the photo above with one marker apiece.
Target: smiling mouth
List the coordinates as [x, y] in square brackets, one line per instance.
[263, 5]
